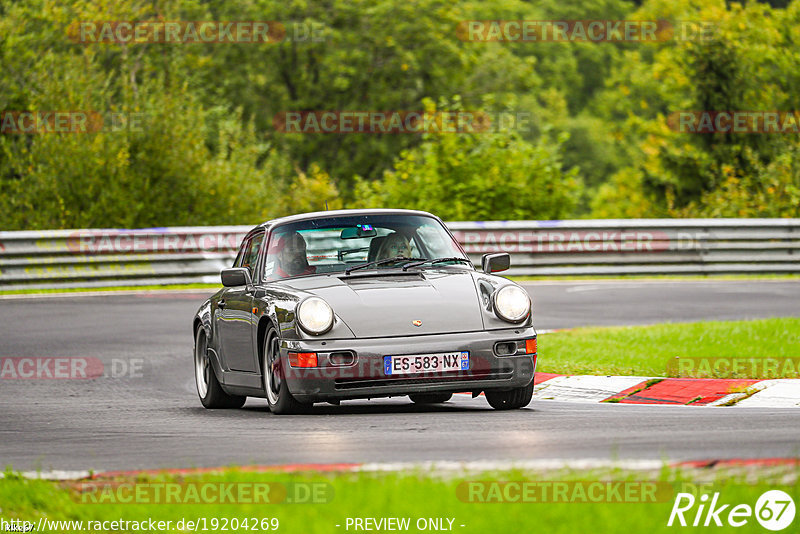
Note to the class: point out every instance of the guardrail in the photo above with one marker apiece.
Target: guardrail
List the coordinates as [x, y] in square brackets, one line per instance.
[92, 258]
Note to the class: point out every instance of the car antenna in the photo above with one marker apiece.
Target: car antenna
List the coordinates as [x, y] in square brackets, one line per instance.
[326, 205]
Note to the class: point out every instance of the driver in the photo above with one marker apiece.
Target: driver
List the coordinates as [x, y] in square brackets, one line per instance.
[290, 253]
[393, 245]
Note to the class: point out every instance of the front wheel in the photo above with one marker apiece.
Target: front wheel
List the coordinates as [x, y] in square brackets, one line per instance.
[208, 389]
[511, 399]
[279, 398]
[430, 398]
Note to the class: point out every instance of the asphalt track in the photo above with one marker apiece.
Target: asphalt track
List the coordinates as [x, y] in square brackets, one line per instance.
[152, 418]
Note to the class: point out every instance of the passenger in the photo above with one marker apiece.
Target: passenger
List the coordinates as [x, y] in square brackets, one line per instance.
[394, 245]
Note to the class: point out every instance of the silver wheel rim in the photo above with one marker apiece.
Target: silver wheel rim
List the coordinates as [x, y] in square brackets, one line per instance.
[272, 381]
[202, 365]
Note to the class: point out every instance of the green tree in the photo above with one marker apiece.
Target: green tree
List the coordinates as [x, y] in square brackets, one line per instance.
[749, 63]
[477, 176]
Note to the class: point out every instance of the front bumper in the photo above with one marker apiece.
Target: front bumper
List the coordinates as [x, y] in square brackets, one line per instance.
[365, 378]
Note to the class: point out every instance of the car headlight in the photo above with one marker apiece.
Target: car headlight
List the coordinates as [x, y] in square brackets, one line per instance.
[512, 303]
[315, 315]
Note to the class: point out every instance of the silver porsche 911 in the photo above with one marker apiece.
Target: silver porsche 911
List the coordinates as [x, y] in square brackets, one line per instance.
[356, 304]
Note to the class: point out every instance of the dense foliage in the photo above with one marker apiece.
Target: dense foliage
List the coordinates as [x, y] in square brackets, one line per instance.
[600, 142]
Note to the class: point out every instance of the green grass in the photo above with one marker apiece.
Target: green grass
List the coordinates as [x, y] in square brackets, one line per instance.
[646, 350]
[210, 287]
[414, 495]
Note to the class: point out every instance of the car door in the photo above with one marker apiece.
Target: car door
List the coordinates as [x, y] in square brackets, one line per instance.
[235, 319]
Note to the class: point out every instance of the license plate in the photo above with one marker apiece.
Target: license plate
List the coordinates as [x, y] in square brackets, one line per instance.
[426, 363]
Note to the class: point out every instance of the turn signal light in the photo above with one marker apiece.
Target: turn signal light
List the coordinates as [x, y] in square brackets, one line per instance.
[530, 346]
[303, 359]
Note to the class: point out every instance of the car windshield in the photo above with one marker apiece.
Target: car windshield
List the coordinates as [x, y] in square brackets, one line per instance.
[337, 244]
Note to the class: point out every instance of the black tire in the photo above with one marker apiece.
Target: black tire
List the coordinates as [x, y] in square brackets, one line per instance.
[430, 398]
[208, 389]
[511, 399]
[279, 398]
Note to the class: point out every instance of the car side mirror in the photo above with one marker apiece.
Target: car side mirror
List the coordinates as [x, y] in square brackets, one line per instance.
[236, 276]
[494, 263]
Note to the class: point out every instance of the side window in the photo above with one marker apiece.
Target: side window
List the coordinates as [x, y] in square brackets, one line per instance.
[250, 256]
[242, 253]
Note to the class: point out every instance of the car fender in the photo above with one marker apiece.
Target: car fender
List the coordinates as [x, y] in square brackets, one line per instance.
[279, 307]
[486, 285]
[203, 318]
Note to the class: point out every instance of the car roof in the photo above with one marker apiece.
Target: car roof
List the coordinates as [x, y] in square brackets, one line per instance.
[339, 213]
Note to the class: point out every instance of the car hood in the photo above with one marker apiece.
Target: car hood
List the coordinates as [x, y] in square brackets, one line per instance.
[390, 304]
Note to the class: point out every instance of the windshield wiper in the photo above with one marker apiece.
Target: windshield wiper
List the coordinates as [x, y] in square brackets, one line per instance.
[377, 263]
[435, 261]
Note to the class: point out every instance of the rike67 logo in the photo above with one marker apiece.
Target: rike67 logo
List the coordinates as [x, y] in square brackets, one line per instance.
[774, 510]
